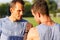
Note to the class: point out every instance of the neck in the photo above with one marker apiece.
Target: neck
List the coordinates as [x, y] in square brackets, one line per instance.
[47, 21]
[11, 18]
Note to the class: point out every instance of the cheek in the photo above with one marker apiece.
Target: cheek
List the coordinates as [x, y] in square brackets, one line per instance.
[36, 19]
[16, 13]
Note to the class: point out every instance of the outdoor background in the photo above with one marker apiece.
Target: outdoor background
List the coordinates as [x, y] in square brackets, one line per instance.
[54, 10]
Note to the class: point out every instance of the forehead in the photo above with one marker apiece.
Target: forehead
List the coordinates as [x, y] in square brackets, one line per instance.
[19, 6]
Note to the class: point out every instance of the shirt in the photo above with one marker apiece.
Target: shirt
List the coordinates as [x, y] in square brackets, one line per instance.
[44, 32]
[12, 30]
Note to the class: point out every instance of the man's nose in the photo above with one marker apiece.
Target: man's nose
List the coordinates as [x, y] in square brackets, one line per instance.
[21, 13]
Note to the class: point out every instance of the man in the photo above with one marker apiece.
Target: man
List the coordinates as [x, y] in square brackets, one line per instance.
[14, 27]
[47, 29]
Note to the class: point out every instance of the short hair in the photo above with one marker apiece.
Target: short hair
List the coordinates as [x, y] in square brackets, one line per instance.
[13, 2]
[41, 7]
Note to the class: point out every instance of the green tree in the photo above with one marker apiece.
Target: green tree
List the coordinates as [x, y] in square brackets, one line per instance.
[53, 7]
[27, 9]
[3, 9]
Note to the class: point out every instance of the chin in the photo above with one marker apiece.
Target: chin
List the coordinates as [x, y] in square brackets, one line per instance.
[19, 18]
[38, 22]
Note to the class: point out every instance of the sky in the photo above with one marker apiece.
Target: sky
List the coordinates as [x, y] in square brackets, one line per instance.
[58, 3]
[5, 1]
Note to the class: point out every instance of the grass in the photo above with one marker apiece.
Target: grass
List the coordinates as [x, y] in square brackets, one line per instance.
[56, 19]
[32, 20]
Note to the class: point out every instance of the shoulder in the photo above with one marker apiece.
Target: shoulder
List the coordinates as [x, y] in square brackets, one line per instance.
[33, 31]
[4, 20]
[1, 19]
[23, 20]
[33, 34]
[42, 27]
[57, 26]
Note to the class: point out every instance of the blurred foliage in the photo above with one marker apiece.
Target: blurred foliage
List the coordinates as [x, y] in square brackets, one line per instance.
[58, 10]
[27, 9]
[4, 8]
[52, 7]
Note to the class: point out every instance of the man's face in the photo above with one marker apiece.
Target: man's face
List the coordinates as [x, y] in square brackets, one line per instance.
[17, 11]
[36, 17]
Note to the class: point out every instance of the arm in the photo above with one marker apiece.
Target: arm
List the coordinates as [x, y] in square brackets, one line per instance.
[0, 27]
[33, 34]
[28, 26]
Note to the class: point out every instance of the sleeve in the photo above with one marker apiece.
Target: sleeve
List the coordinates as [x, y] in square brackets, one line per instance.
[0, 27]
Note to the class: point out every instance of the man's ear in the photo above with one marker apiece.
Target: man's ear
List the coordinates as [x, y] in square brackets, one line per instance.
[11, 10]
[38, 14]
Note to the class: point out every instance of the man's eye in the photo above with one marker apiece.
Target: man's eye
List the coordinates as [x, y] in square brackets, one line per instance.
[23, 10]
[19, 10]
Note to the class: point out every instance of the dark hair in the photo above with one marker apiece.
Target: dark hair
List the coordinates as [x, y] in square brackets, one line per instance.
[14, 2]
[41, 7]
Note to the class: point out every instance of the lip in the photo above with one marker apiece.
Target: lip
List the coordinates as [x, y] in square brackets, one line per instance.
[20, 17]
